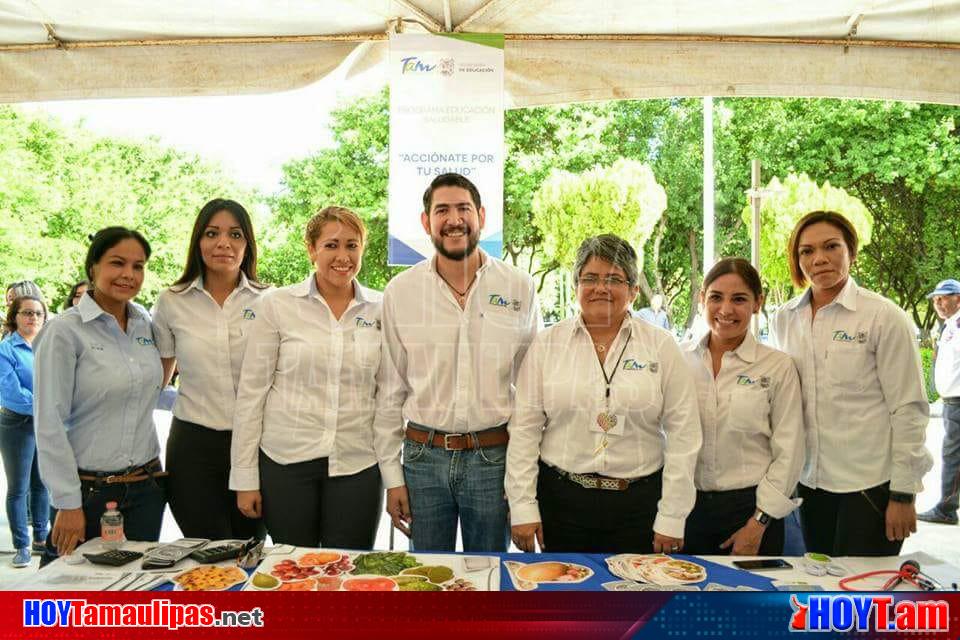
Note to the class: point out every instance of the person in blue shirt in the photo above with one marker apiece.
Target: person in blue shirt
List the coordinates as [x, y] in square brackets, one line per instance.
[97, 379]
[25, 317]
[655, 314]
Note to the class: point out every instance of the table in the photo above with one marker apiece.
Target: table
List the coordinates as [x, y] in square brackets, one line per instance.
[60, 575]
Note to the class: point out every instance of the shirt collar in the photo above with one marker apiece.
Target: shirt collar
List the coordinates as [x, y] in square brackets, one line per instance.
[580, 326]
[198, 284]
[846, 298]
[89, 310]
[308, 288]
[16, 339]
[746, 351]
[484, 262]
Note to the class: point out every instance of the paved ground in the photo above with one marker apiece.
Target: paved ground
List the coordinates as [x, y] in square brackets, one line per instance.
[938, 540]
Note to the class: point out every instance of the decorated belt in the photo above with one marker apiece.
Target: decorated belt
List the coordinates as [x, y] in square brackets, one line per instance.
[596, 481]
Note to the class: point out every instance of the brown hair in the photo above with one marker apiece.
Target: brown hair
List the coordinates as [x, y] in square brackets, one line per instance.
[832, 218]
[333, 214]
[740, 267]
[10, 324]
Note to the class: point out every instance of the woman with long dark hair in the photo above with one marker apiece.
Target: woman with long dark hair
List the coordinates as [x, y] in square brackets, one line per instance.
[201, 324]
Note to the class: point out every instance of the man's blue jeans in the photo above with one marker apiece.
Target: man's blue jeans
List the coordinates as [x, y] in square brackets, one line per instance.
[445, 486]
[950, 475]
[19, 449]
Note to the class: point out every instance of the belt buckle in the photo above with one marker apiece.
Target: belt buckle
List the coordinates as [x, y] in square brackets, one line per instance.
[111, 479]
[446, 443]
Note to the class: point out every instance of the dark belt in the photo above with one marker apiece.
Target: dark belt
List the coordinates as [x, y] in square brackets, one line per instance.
[146, 471]
[494, 437]
[596, 481]
[952, 401]
[14, 414]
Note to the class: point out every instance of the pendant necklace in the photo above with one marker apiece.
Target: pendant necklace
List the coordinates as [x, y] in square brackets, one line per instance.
[606, 419]
[461, 295]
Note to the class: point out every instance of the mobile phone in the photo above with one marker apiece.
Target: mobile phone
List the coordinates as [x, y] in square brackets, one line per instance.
[760, 565]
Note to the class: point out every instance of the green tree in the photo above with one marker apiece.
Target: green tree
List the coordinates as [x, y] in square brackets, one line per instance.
[59, 184]
[351, 174]
[623, 199]
[785, 204]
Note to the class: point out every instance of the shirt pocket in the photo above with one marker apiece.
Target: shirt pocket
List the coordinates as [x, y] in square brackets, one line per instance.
[749, 410]
[848, 366]
[366, 347]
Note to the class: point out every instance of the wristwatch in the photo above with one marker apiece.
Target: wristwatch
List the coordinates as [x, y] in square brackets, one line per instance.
[762, 518]
[899, 496]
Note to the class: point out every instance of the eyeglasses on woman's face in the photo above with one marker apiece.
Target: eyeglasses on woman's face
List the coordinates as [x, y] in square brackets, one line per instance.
[592, 280]
[32, 314]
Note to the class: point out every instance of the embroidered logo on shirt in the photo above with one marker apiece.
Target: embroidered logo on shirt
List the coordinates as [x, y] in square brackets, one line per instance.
[499, 301]
[363, 324]
[748, 381]
[96, 346]
[144, 342]
[634, 365]
[248, 314]
[843, 336]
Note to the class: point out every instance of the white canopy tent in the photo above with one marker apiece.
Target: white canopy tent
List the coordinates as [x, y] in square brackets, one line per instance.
[560, 51]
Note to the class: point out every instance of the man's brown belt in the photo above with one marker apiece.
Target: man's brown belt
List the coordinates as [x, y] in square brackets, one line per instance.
[494, 437]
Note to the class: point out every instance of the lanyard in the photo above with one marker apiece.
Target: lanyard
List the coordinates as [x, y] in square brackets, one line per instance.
[609, 379]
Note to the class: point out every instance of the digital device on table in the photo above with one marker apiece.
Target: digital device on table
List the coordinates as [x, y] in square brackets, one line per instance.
[229, 550]
[167, 555]
[762, 565]
[113, 557]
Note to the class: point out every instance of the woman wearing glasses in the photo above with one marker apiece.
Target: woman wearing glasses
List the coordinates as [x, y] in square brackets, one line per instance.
[25, 317]
[605, 431]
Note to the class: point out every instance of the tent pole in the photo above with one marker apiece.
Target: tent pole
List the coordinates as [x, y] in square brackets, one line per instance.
[755, 199]
[709, 235]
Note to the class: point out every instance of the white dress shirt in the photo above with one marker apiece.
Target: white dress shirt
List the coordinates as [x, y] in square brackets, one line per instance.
[752, 419]
[946, 372]
[208, 341]
[561, 392]
[449, 368]
[864, 401]
[308, 385]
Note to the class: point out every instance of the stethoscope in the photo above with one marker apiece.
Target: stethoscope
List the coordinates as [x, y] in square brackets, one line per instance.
[909, 572]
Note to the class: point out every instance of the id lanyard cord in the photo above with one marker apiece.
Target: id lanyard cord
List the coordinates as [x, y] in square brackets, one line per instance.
[609, 379]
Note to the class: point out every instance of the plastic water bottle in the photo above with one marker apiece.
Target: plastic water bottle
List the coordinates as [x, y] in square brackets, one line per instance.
[111, 527]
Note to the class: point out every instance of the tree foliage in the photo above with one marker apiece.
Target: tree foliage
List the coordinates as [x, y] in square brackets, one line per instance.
[623, 199]
[60, 184]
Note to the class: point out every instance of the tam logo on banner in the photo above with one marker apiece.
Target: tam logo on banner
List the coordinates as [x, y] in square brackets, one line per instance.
[868, 613]
[446, 116]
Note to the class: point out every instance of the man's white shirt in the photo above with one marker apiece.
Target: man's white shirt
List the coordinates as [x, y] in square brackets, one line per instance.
[946, 373]
[449, 368]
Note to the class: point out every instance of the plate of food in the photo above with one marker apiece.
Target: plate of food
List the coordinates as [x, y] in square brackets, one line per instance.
[369, 583]
[527, 577]
[209, 577]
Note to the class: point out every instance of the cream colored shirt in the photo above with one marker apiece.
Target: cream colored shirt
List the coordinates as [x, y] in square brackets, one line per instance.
[561, 392]
[449, 368]
[208, 342]
[864, 401]
[308, 386]
[752, 419]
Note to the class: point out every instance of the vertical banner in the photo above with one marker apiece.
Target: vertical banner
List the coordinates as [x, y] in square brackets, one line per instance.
[446, 115]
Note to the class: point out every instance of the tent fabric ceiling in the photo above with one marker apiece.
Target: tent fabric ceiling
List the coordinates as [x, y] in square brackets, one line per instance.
[175, 47]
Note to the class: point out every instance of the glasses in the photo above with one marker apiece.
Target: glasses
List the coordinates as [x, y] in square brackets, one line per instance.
[592, 280]
[39, 315]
